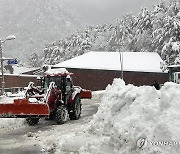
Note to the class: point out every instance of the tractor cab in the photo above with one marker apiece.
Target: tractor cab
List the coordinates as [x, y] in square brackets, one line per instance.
[62, 82]
[61, 79]
[174, 73]
[58, 80]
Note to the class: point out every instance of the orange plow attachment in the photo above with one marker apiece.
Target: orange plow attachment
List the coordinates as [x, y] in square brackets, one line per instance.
[85, 94]
[23, 108]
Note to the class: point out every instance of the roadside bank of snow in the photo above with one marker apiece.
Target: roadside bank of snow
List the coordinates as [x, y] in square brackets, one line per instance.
[136, 120]
[7, 124]
[129, 120]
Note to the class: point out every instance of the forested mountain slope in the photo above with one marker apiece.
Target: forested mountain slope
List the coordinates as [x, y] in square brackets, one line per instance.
[149, 31]
[34, 23]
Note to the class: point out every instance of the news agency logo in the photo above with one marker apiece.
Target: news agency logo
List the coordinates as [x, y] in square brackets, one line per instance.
[143, 142]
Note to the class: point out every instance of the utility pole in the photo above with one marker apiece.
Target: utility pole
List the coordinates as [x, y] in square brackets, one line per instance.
[121, 62]
[121, 57]
[2, 71]
[10, 37]
[120, 38]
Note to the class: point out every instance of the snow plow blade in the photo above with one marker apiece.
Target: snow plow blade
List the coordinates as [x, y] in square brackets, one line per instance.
[85, 94]
[22, 108]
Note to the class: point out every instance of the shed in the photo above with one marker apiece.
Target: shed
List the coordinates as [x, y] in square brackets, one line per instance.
[95, 70]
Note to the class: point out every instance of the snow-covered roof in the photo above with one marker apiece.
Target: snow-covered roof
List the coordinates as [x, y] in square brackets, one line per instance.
[132, 61]
[55, 72]
[20, 69]
[23, 75]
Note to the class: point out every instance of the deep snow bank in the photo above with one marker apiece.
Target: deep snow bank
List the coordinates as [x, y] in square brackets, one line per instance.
[136, 120]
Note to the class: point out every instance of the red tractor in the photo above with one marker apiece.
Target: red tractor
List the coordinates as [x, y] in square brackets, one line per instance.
[57, 99]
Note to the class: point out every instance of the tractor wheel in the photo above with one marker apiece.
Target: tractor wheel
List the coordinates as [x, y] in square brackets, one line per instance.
[75, 113]
[61, 115]
[32, 120]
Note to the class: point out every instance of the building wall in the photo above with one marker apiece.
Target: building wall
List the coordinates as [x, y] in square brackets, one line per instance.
[99, 79]
[93, 79]
[17, 81]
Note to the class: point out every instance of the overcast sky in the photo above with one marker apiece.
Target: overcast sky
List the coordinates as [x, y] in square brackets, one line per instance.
[99, 11]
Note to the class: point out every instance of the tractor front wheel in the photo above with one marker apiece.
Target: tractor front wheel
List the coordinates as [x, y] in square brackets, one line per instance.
[61, 115]
[32, 120]
[75, 113]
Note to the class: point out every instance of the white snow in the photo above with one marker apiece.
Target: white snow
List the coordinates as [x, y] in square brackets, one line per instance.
[21, 69]
[7, 124]
[9, 99]
[6, 100]
[176, 46]
[132, 61]
[129, 113]
[56, 71]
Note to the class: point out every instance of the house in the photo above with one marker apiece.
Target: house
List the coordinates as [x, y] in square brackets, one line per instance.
[18, 77]
[16, 82]
[95, 70]
[16, 69]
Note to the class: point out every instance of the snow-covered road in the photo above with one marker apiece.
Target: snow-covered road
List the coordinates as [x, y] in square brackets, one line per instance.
[27, 139]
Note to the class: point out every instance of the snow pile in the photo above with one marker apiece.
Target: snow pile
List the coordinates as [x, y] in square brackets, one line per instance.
[56, 71]
[9, 97]
[129, 120]
[19, 94]
[6, 100]
[128, 115]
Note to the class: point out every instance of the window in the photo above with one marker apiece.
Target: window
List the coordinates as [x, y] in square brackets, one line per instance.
[56, 80]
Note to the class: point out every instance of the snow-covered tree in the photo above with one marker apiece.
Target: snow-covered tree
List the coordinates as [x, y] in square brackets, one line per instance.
[34, 60]
[149, 31]
[166, 34]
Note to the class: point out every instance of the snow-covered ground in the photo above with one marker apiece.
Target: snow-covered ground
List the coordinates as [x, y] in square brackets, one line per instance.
[7, 124]
[130, 120]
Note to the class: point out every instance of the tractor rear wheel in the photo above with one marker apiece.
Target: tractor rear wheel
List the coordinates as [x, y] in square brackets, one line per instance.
[75, 113]
[32, 120]
[61, 115]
